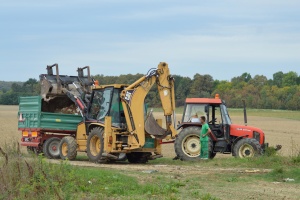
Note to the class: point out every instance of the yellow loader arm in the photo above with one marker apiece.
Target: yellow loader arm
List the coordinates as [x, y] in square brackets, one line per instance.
[133, 98]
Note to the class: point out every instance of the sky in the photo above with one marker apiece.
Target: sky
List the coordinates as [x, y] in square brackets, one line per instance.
[221, 38]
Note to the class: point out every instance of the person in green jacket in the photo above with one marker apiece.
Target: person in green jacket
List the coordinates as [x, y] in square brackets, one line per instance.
[204, 139]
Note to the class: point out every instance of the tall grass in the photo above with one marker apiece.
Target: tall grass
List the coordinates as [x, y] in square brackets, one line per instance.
[32, 177]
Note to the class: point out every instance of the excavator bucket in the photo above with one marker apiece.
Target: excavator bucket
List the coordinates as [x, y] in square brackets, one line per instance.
[53, 86]
[152, 127]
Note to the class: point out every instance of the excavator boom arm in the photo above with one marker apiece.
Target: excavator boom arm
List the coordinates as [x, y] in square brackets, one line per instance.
[133, 98]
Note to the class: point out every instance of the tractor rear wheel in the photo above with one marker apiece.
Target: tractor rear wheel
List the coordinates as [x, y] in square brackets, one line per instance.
[95, 143]
[187, 144]
[68, 148]
[247, 148]
[138, 157]
[51, 148]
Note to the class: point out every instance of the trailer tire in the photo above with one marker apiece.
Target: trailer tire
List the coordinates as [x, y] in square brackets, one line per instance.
[247, 148]
[138, 157]
[187, 144]
[68, 148]
[51, 148]
[95, 144]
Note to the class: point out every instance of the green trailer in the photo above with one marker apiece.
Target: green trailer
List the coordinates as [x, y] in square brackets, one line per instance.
[41, 127]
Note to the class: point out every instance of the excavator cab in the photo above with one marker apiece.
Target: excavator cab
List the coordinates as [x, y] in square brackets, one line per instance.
[106, 101]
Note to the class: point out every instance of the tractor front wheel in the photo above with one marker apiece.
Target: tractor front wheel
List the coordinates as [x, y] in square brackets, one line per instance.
[68, 148]
[95, 143]
[247, 148]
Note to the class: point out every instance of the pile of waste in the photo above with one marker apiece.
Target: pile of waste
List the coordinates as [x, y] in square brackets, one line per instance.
[72, 109]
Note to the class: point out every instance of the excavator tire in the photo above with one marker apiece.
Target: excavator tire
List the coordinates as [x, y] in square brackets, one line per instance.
[68, 148]
[138, 157]
[187, 144]
[51, 148]
[95, 143]
[247, 148]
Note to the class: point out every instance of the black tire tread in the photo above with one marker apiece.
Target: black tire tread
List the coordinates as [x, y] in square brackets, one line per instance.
[253, 142]
[99, 131]
[178, 144]
[72, 148]
[46, 146]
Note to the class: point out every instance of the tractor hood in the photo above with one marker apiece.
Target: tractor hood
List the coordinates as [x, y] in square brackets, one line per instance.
[246, 131]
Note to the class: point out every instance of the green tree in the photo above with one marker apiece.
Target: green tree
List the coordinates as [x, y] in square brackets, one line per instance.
[278, 78]
[290, 79]
[202, 86]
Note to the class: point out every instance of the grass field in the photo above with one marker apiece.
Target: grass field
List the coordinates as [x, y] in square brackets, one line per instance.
[221, 178]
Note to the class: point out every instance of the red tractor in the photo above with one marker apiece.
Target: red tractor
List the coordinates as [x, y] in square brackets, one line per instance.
[225, 137]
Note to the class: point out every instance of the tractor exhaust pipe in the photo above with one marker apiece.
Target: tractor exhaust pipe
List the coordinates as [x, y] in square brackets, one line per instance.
[245, 113]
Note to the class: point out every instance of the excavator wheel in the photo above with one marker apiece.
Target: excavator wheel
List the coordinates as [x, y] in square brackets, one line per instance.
[247, 148]
[187, 144]
[68, 148]
[138, 157]
[51, 148]
[95, 143]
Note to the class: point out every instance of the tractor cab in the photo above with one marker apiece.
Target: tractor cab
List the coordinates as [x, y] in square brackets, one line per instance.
[215, 112]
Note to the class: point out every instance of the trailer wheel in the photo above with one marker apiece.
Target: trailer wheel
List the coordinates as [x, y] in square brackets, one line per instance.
[95, 143]
[187, 144]
[51, 148]
[247, 148]
[68, 148]
[138, 157]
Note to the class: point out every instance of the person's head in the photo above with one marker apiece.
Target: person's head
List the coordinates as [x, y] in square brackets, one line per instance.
[203, 119]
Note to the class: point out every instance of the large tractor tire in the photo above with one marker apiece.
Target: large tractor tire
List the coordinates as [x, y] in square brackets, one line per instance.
[51, 148]
[187, 144]
[138, 157]
[68, 148]
[95, 143]
[247, 148]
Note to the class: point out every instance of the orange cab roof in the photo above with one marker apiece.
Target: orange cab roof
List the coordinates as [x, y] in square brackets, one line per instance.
[203, 100]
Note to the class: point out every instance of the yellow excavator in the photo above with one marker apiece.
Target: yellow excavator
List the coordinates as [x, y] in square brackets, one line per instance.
[116, 125]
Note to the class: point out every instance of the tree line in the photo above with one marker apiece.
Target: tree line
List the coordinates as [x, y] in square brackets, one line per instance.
[282, 91]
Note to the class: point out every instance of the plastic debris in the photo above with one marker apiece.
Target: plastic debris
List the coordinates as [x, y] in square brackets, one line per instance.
[252, 171]
[150, 171]
[288, 180]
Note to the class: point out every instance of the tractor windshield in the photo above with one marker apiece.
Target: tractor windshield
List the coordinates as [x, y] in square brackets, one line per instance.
[193, 112]
[226, 117]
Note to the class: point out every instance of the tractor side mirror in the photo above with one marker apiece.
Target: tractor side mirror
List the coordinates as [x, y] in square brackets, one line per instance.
[206, 109]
